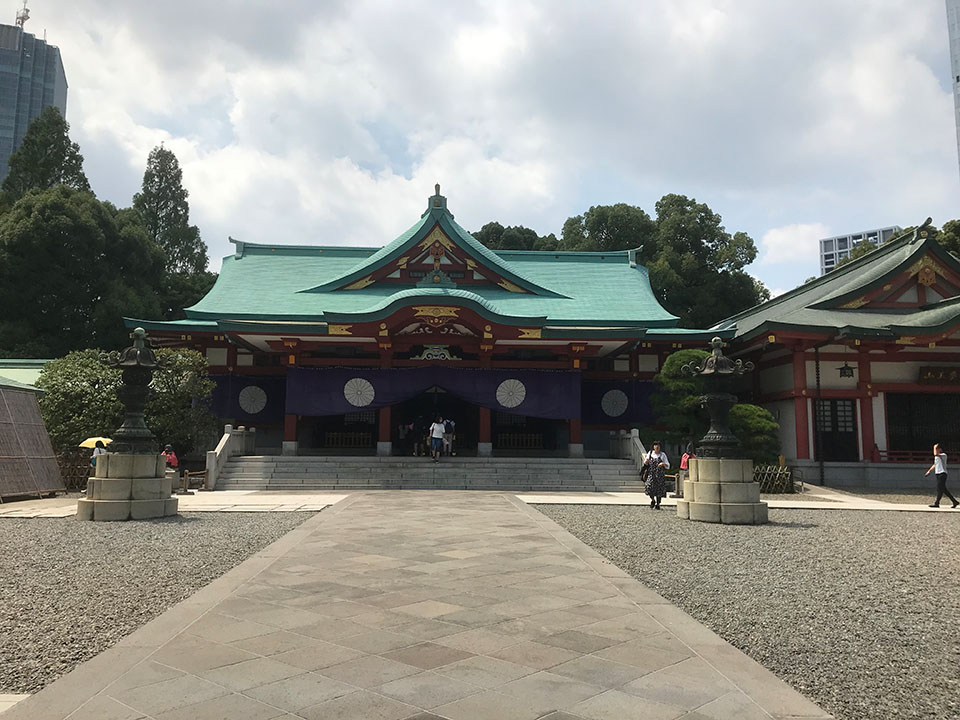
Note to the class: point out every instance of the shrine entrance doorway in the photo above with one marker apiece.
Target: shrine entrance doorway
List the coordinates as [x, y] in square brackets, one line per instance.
[422, 410]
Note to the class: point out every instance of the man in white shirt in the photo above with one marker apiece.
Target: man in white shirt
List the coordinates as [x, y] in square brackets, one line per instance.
[939, 468]
[436, 439]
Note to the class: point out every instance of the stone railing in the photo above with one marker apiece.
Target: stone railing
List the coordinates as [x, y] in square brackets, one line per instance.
[235, 441]
[637, 450]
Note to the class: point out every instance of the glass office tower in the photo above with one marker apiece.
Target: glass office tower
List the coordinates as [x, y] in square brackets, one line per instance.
[31, 78]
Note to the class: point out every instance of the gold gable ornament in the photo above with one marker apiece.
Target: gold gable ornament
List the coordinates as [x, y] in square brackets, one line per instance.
[360, 284]
[436, 315]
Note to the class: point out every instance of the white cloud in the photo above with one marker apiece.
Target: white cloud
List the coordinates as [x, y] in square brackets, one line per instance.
[792, 243]
[330, 122]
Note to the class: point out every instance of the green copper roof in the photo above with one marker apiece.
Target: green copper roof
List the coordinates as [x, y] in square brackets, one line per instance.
[301, 284]
[817, 304]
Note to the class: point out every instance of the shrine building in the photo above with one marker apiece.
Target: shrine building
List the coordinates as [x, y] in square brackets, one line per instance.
[861, 367]
[332, 349]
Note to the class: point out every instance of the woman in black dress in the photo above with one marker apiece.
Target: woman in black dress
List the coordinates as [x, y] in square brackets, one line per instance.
[656, 484]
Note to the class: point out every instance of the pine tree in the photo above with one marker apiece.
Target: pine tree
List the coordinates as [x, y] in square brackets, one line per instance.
[46, 157]
[163, 208]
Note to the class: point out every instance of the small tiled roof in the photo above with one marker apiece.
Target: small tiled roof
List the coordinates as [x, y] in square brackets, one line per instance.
[817, 305]
[10, 384]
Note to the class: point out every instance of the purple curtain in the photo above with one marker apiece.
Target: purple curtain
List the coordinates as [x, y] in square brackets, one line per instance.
[266, 395]
[616, 402]
[335, 391]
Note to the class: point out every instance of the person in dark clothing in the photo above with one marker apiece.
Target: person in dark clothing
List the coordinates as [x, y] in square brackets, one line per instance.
[939, 468]
[656, 483]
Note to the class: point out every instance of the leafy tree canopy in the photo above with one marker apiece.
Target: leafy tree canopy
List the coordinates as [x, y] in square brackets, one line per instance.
[949, 236]
[605, 228]
[497, 237]
[72, 266]
[163, 208]
[696, 267]
[81, 401]
[46, 157]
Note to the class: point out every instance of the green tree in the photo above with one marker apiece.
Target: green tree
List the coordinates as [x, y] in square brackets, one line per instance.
[72, 267]
[81, 401]
[605, 228]
[181, 290]
[676, 405]
[46, 157]
[163, 208]
[758, 432]
[697, 267]
[949, 237]
[178, 413]
[497, 237]
[676, 400]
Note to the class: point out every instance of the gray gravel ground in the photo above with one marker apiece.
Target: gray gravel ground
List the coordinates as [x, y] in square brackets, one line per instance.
[858, 610]
[71, 589]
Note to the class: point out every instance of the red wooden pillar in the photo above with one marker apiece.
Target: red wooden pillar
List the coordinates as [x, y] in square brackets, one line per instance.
[384, 428]
[289, 435]
[866, 409]
[800, 404]
[576, 438]
[484, 443]
[289, 428]
[483, 431]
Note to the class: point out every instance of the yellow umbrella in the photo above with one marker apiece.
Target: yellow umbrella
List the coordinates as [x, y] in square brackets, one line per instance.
[91, 442]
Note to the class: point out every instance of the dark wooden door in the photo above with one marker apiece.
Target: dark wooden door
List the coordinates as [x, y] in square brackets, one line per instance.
[836, 423]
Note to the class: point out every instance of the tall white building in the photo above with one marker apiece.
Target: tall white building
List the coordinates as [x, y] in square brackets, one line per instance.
[836, 248]
[953, 27]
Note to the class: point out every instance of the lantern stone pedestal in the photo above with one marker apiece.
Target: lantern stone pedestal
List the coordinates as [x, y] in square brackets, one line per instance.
[128, 487]
[722, 490]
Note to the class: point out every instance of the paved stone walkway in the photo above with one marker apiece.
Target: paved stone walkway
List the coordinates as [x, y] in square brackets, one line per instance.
[422, 605]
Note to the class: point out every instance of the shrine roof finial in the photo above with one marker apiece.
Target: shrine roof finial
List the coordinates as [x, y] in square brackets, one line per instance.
[437, 202]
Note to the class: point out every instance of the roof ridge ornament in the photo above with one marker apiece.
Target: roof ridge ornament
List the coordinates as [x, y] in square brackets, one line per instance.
[437, 202]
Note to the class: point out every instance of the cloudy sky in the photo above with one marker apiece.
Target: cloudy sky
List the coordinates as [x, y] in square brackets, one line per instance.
[301, 121]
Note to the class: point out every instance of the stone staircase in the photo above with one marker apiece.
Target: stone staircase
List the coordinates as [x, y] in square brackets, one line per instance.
[330, 474]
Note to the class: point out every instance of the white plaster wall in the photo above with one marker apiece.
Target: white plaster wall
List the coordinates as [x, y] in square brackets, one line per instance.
[880, 420]
[777, 378]
[830, 374]
[648, 363]
[903, 372]
[217, 356]
[782, 410]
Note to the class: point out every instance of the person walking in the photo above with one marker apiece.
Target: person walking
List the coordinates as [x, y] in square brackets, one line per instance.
[656, 484]
[939, 468]
[171, 457]
[98, 450]
[449, 428]
[684, 473]
[436, 439]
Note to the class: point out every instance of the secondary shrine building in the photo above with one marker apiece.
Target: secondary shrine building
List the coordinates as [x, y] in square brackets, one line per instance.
[861, 367]
[330, 349]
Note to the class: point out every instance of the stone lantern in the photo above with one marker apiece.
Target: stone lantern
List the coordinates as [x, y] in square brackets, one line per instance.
[130, 481]
[720, 487]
